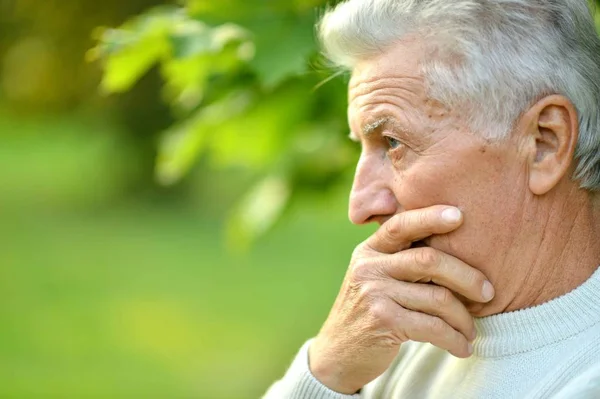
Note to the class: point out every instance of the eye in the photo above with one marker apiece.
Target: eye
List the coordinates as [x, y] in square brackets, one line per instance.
[392, 142]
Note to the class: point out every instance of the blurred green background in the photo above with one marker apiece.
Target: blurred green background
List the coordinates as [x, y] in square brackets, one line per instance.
[173, 196]
[174, 180]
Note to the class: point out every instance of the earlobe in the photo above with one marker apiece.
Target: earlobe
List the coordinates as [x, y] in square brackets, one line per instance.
[554, 130]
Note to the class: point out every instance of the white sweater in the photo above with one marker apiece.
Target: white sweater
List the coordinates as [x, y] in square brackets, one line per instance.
[551, 350]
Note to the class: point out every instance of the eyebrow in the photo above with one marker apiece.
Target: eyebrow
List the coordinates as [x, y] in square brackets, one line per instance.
[373, 126]
[370, 128]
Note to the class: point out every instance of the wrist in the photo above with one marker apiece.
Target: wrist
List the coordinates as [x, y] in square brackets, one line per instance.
[329, 373]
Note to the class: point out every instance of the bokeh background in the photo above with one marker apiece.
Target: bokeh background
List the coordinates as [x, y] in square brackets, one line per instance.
[173, 187]
[173, 192]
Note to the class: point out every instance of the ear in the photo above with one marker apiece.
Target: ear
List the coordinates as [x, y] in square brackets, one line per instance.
[552, 130]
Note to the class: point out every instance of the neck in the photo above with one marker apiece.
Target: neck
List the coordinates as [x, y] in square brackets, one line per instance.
[551, 255]
[555, 321]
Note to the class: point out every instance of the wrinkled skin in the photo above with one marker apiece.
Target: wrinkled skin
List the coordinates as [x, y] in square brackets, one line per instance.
[438, 160]
[523, 233]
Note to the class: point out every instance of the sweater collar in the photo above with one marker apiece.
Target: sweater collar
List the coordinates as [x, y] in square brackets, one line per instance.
[529, 329]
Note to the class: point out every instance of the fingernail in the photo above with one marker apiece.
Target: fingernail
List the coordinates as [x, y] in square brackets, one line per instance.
[488, 291]
[451, 215]
[470, 348]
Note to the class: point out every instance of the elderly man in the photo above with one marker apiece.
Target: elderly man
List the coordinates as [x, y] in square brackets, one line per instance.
[479, 122]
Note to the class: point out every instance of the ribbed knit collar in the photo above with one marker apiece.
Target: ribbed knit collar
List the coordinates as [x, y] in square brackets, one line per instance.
[529, 329]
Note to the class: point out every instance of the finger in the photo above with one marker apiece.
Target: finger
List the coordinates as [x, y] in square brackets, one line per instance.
[436, 301]
[403, 229]
[421, 327]
[428, 264]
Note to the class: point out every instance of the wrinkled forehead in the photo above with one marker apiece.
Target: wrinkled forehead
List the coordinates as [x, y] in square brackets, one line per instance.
[398, 67]
[393, 85]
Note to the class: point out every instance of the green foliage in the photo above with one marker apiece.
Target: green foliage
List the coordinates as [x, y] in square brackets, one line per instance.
[244, 78]
[283, 46]
[132, 52]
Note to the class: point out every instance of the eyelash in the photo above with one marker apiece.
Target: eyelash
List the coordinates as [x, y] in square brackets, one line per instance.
[391, 141]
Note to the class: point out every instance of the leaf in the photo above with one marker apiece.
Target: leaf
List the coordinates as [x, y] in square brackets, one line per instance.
[282, 48]
[244, 10]
[129, 52]
[123, 69]
[258, 211]
[321, 153]
[181, 146]
[259, 138]
[185, 80]
[191, 37]
[199, 54]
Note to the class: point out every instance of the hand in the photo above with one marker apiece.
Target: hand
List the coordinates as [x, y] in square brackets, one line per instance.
[385, 300]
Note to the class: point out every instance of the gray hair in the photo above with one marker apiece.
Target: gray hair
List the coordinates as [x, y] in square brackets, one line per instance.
[496, 57]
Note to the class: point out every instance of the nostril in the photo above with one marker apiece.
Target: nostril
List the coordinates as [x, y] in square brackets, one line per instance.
[371, 219]
[373, 204]
[379, 219]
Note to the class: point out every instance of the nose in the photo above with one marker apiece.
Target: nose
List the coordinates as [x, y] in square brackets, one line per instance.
[372, 198]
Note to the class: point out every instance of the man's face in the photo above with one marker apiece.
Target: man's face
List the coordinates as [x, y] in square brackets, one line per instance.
[417, 153]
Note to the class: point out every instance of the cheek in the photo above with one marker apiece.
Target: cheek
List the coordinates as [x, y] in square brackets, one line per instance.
[481, 188]
[469, 180]
[425, 184]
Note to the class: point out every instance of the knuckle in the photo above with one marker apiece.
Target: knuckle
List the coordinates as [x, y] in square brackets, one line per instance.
[361, 269]
[436, 324]
[423, 218]
[427, 258]
[362, 249]
[381, 315]
[377, 311]
[441, 296]
[368, 291]
[359, 250]
[394, 226]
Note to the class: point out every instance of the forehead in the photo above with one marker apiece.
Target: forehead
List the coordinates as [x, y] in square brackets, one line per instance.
[398, 67]
[392, 85]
